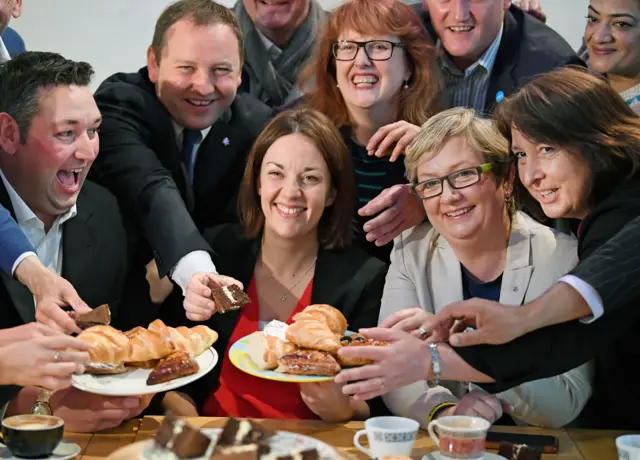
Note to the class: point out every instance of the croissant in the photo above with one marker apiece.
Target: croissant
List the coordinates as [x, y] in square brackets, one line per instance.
[106, 344]
[147, 345]
[332, 317]
[193, 340]
[265, 350]
[314, 335]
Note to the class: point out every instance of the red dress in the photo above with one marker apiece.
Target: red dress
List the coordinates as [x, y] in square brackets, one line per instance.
[243, 395]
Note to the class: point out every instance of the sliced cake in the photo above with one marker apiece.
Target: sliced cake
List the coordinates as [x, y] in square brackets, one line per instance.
[518, 452]
[229, 298]
[182, 439]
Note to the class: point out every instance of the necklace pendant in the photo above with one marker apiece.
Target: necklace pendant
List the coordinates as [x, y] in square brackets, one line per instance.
[283, 298]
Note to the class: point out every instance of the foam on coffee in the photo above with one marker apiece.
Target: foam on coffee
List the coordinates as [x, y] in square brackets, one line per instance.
[32, 422]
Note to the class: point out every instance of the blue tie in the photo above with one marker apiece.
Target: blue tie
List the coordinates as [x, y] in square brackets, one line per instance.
[189, 140]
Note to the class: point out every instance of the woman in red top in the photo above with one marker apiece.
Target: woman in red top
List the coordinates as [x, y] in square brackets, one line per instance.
[292, 250]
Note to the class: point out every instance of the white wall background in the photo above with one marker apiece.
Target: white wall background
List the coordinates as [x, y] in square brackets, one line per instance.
[113, 35]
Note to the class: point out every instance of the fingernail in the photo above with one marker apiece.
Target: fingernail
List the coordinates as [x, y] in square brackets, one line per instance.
[455, 340]
[130, 403]
[211, 306]
[207, 292]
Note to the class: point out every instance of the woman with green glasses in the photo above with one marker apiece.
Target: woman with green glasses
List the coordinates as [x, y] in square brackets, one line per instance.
[475, 244]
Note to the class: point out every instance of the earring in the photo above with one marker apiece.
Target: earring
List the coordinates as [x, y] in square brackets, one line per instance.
[337, 85]
[406, 84]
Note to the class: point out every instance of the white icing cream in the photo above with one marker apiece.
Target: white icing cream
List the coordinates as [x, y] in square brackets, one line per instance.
[104, 365]
[277, 329]
[175, 432]
[244, 428]
[228, 293]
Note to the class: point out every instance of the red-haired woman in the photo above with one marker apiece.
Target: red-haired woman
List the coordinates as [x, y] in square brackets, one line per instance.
[374, 75]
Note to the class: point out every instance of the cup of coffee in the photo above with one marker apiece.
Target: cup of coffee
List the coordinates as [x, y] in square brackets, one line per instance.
[388, 436]
[628, 447]
[32, 435]
[459, 436]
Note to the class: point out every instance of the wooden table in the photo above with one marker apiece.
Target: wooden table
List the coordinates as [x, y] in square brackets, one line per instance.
[574, 444]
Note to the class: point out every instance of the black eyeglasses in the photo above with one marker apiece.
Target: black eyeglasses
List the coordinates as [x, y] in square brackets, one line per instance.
[376, 50]
[458, 179]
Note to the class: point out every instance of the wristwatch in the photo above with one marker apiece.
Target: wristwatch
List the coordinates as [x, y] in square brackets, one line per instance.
[42, 406]
[436, 365]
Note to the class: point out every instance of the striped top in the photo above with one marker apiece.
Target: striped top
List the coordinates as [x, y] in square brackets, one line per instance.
[632, 97]
[469, 88]
[373, 175]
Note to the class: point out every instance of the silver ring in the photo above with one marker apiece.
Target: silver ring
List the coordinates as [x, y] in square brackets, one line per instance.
[422, 333]
[56, 357]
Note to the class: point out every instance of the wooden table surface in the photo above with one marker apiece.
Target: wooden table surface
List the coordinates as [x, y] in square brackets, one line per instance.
[573, 444]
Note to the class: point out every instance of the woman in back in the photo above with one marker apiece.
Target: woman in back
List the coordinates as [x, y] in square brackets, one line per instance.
[612, 38]
[375, 76]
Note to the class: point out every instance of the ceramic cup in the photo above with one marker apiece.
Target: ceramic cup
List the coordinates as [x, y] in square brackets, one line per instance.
[388, 436]
[628, 447]
[32, 436]
[459, 436]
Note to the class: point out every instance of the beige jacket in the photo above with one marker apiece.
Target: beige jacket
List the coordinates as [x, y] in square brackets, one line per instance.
[424, 272]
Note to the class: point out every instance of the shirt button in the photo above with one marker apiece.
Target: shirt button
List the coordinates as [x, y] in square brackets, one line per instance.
[515, 289]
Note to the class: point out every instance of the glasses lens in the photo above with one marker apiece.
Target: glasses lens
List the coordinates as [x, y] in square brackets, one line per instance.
[379, 50]
[464, 177]
[345, 50]
[429, 188]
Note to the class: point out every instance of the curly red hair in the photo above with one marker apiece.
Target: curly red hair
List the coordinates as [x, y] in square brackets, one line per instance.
[384, 17]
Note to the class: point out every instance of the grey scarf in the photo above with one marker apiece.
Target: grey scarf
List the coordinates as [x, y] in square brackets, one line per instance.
[273, 82]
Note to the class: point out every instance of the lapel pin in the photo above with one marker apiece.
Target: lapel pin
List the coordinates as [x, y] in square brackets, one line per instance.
[226, 142]
[499, 96]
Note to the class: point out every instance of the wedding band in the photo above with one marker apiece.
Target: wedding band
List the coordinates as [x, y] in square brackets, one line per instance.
[56, 357]
[422, 333]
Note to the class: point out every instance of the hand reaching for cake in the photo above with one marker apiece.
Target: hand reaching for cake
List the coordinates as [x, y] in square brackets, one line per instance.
[199, 300]
[327, 401]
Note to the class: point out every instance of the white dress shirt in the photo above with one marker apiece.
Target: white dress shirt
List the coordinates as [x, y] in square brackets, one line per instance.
[48, 244]
[195, 261]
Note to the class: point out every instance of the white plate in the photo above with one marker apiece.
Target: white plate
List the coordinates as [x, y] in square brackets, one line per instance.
[64, 451]
[487, 456]
[283, 443]
[134, 382]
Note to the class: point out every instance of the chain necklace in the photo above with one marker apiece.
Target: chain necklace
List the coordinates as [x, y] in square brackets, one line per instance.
[284, 296]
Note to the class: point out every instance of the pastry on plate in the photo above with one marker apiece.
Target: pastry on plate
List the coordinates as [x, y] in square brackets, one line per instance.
[174, 366]
[313, 335]
[330, 316]
[147, 347]
[109, 349]
[265, 350]
[227, 298]
[195, 340]
[308, 362]
[357, 340]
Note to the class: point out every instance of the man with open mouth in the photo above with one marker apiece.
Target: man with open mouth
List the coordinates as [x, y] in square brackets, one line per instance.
[174, 142]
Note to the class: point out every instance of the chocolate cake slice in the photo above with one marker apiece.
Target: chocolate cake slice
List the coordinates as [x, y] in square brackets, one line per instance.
[98, 316]
[241, 432]
[307, 454]
[254, 451]
[229, 298]
[180, 438]
[518, 452]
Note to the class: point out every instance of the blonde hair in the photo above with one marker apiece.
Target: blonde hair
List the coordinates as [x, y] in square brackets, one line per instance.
[478, 133]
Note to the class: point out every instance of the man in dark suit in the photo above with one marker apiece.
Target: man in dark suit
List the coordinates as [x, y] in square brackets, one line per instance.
[48, 142]
[175, 136]
[489, 49]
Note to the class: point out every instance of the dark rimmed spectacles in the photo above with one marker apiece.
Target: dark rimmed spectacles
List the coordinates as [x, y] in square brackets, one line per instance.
[376, 50]
[457, 180]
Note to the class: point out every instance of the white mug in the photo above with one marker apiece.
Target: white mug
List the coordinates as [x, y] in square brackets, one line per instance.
[628, 447]
[459, 436]
[388, 436]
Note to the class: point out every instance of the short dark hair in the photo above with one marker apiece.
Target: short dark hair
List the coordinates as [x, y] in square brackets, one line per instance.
[336, 227]
[21, 79]
[575, 109]
[202, 13]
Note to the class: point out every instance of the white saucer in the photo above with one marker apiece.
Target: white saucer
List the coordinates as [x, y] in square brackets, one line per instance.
[65, 451]
[487, 456]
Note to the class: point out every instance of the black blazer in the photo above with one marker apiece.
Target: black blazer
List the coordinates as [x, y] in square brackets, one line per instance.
[527, 48]
[140, 163]
[95, 260]
[610, 264]
[348, 279]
